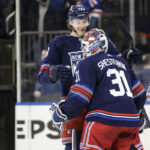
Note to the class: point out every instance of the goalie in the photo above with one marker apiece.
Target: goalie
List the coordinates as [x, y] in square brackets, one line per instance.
[111, 93]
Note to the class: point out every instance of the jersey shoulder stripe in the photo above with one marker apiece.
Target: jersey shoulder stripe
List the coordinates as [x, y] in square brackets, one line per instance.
[82, 91]
[138, 89]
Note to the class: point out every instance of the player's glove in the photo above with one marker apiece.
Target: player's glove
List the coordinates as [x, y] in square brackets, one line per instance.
[58, 117]
[142, 121]
[59, 72]
[133, 56]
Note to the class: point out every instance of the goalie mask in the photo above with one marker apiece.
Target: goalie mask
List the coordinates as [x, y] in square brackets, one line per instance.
[94, 42]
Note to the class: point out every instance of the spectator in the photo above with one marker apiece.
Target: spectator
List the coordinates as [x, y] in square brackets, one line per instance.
[47, 92]
[38, 45]
[144, 74]
[29, 15]
[43, 7]
[95, 10]
[57, 14]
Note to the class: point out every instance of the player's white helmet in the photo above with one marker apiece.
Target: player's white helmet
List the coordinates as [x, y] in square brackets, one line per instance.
[94, 41]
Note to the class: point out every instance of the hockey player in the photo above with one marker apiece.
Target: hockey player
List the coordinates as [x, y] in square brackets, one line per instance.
[65, 51]
[111, 93]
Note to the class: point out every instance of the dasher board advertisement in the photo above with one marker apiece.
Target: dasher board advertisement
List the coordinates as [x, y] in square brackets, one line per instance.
[33, 128]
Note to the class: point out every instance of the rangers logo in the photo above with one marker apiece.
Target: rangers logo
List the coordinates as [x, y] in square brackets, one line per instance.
[75, 57]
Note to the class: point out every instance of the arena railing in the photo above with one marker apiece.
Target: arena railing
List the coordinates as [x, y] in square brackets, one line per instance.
[32, 43]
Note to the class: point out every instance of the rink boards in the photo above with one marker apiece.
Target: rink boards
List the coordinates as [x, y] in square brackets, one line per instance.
[34, 130]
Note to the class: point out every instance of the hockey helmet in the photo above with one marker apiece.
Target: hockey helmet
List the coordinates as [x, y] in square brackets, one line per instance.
[77, 11]
[94, 41]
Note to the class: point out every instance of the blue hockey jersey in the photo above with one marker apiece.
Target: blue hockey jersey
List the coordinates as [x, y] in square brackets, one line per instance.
[65, 50]
[108, 89]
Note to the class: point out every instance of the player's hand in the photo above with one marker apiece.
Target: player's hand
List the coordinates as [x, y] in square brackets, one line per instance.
[58, 117]
[60, 72]
[37, 94]
[133, 56]
[53, 108]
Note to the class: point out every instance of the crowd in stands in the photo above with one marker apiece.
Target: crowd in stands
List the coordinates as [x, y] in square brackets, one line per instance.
[144, 73]
[53, 13]
[47, 15]
[47, 92]
[50, 15]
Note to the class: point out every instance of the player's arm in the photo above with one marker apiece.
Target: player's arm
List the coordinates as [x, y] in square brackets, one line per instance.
[139, 95]
[51, 69]
[138, 91]
[132, 56]
[80, 93]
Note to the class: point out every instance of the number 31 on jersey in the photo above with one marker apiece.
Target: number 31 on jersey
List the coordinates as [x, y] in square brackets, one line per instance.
[121, 81]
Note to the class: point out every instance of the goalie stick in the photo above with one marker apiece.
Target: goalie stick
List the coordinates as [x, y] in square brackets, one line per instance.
[128, 36]
[76, 137]
[126, 33]
[147, 124]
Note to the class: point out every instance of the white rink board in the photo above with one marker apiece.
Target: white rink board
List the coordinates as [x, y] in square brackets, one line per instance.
[33, 126]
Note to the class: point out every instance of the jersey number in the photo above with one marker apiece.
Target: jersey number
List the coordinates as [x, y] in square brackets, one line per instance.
[121, 81]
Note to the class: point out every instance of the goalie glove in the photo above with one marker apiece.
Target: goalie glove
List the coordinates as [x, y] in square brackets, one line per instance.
[133, 56]
[60, 72]
[58, 117]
